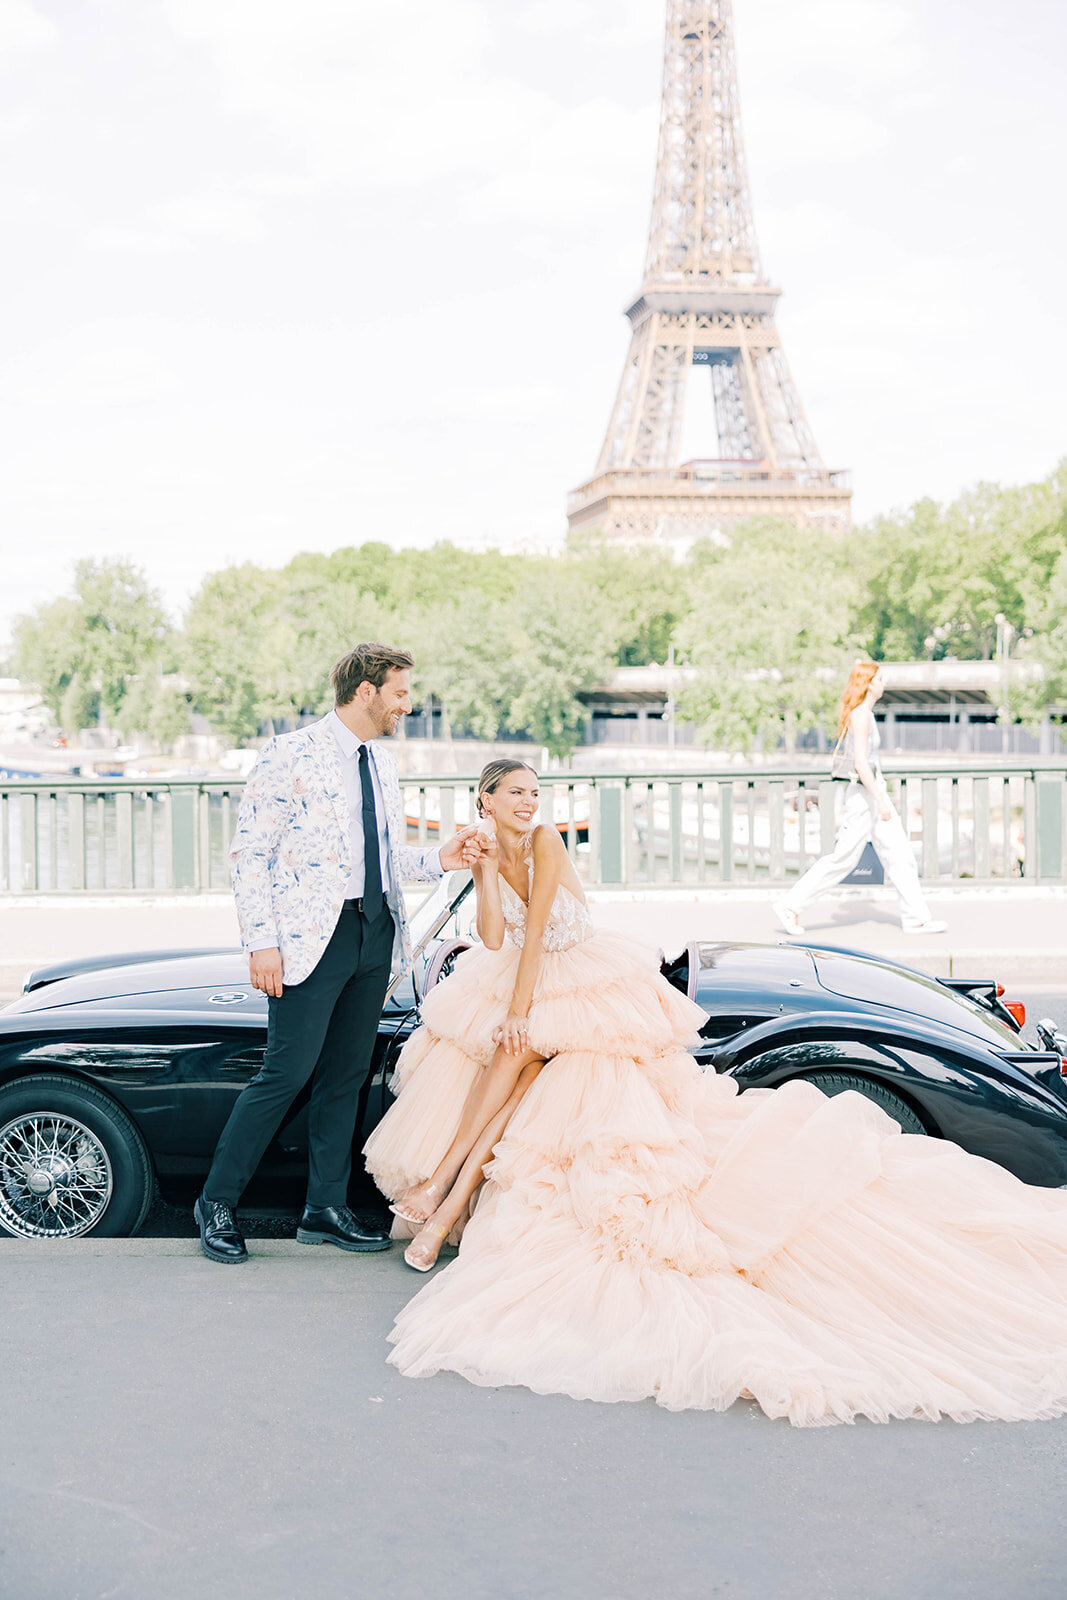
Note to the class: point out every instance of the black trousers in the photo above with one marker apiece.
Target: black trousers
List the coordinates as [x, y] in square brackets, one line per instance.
[326, 1025]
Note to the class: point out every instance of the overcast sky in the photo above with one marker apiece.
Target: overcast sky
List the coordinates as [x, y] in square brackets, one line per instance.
[292, 274]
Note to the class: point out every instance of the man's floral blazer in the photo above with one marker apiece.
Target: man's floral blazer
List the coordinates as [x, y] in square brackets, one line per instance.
[290, 856]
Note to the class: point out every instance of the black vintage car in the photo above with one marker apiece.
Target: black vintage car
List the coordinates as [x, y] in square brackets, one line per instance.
[117, 1074]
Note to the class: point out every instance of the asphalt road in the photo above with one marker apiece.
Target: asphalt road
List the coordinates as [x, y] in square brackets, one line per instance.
[176, 1429]
[1040, 1006]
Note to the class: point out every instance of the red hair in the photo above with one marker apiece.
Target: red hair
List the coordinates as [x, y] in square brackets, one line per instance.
[859, 681]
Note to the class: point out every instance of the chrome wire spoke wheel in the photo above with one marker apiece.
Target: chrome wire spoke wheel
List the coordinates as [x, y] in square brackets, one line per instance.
[55, 1176]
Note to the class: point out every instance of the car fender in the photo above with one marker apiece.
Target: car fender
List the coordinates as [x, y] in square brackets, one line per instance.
[773, 1032]
[958, 1061]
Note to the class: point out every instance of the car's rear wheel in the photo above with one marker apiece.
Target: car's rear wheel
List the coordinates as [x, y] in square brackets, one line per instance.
[898, 1109]
[71, 1162]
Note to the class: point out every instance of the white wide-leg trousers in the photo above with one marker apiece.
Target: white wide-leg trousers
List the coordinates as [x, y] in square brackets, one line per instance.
[860, 823]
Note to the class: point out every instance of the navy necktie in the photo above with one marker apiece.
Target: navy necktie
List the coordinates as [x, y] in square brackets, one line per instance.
[372, 861]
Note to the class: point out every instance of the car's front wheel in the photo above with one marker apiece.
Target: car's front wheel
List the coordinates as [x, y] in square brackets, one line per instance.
[898, 1109]
[71, 1162]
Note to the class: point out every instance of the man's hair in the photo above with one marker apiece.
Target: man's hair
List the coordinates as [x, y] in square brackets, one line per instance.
[366, 663]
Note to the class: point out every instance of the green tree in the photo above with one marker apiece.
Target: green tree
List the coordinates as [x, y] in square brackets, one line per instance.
[468, 657]
[319, 617]
[646, 591]
[79, 706]
[564, 641]
[42, 653]
[85, 651]
[1045, 652]
[769, 635]
[234, 632]
[155, 707]
[936, 577]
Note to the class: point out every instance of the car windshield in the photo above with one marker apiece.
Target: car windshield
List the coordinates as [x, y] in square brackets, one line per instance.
[430, 921]
[430, 918]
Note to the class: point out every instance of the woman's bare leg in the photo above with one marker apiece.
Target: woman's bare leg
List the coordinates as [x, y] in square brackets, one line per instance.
[489, 1094]
[425, 1246]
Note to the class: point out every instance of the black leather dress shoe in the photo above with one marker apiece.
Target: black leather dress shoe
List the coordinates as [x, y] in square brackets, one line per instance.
[336, 1225]
[220, 1237]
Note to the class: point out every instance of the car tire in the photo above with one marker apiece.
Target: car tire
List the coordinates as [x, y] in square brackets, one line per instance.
[71, 1162]
[898, 1109]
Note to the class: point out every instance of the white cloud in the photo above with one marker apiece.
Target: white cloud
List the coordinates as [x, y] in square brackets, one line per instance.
[101, 368]
[353, 94]
[866, 41]
[579, 165]
[221, 213]
[23, 30]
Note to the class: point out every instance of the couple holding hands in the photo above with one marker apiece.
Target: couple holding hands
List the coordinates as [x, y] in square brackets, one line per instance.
[629, 1226]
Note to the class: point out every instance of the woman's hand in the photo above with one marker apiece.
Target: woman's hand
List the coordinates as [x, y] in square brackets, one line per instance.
[490, 848]
[488, 864]
[513, 1035]
[464, 849]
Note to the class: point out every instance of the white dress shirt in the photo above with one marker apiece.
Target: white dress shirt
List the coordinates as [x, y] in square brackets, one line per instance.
[349, 746]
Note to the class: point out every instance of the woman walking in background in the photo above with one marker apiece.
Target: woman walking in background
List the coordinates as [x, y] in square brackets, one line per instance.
[869, 815]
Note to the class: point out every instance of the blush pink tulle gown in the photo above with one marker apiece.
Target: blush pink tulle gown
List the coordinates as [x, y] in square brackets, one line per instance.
[646, 1231]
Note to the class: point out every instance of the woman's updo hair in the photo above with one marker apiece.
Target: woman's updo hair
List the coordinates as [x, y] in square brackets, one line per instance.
[493, 774]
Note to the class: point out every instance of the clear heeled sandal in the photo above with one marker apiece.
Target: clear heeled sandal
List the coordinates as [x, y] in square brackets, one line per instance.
[420, 1260]
[400, 1208]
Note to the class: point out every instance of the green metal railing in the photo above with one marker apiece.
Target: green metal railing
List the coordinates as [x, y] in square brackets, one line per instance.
[733, 827]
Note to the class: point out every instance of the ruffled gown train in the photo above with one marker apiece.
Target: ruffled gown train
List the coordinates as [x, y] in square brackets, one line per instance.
[646, 1231]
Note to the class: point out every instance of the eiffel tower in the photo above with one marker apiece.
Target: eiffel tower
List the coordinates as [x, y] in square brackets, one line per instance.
[705, 305]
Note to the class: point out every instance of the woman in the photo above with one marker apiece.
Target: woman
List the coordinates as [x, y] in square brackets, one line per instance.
[869, 816]
[647, 1231]
[486, 1036]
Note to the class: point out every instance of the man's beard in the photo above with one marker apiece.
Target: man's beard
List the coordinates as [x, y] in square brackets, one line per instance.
[385, 722]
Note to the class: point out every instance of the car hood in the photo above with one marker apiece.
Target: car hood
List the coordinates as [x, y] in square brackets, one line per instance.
[212, 982]
[118, 980]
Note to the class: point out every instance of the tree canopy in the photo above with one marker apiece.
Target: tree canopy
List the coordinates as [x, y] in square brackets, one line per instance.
[769, 617]
[89, 651]
[770, 634]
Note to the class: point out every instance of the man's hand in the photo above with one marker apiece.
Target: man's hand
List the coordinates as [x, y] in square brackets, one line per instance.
[463, 849]
[265, 970]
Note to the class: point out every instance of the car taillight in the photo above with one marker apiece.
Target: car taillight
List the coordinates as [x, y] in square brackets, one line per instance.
[1018, 1011]
[1063, 1066]
[1000, 990]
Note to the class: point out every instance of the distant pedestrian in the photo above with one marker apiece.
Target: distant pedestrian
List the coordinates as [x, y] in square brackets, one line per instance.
[869, 816]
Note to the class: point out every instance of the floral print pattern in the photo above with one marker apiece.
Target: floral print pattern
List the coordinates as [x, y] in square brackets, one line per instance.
[290, 856]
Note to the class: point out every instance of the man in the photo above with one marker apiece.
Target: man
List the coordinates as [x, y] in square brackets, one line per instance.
[318, 860]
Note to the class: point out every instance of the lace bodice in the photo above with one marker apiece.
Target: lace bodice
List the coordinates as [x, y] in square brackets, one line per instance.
[568, 922]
